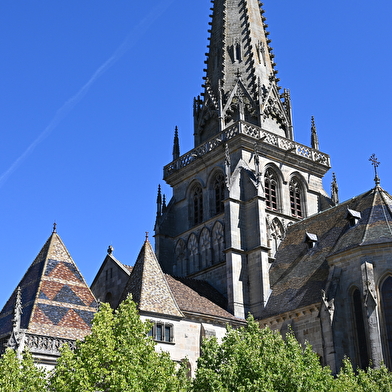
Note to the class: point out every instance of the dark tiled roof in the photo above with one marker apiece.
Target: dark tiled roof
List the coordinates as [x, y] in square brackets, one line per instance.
[299, 273]
[56, 300]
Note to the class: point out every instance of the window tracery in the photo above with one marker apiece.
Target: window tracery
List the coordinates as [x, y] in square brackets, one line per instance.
[218, 240]
[197, 204]
[193, 250]
[296, 198]
[219, 193]
[276, 235]
[180, 265]
[205, 248]
[271, 189]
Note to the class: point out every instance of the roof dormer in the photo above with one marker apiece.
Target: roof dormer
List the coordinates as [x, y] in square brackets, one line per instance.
[353, 217]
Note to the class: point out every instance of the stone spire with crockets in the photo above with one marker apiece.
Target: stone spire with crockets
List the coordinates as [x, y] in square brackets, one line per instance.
[241, 81]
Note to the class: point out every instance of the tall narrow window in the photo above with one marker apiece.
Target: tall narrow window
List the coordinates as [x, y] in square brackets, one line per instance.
[193, 252]
[218, 243]
[219, 193]
[360, 329]
[296, 198]
[197, 198]
[270, 185]
[386, 295]
[159, 332]
[180, 265]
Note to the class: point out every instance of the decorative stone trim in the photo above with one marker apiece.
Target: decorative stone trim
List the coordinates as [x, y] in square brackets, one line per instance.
[241, 127]
[45, 344]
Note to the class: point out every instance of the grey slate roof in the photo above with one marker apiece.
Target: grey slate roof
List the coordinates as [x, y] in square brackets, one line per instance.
[299, 273]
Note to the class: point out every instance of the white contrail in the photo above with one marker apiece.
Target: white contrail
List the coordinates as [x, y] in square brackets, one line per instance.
[136, 33]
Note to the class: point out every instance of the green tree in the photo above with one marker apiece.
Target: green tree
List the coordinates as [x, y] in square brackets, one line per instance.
[117, 356]
[20, 375]
[253, 359]
[369, 380]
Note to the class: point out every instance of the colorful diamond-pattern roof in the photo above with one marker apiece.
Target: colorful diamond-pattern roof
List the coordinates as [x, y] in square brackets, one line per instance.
[56, 300]
[149, 287]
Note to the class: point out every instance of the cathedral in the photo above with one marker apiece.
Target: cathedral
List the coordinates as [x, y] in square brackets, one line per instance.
[248, 229]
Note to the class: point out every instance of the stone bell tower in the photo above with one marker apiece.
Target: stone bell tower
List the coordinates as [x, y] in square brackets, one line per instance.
[246, 179]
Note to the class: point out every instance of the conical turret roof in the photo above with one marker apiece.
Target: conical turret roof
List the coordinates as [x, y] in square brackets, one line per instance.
[240, 72]
[149, 287]
[55, 299]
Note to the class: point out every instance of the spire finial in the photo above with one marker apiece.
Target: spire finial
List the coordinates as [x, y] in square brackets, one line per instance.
[334, 190]
[314, 137]
[373, 159]
[176, 145]
[159, 201]
[110, 249]
[147, 240]
[54, 227]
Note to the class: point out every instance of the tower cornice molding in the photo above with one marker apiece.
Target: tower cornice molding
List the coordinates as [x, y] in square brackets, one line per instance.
[285, 150]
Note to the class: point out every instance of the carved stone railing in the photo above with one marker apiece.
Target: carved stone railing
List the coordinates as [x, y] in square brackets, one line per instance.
[255, 132]
[46, 344]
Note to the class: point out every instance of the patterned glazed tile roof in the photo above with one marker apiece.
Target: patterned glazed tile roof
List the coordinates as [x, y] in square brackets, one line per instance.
[190, 295]
[149, 287]
[56, 300]
[299, 273]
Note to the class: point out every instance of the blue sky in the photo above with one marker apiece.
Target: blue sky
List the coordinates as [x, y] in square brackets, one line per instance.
[91, 90]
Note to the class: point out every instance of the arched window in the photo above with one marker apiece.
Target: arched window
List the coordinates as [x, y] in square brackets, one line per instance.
[386, 296]
[218, 242]
[193, 252]
[271, 189]
[205, 248]
[197, 204]
[360, 330]
[277, 235]
[180, 266]
[219, 193]
[296, 198]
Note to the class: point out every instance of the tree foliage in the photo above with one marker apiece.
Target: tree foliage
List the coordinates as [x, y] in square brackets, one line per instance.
[117, 356]
[20, 375]
[253, 359]
[259, 360]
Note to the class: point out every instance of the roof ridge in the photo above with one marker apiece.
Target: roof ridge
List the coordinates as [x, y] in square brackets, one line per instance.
[383, 205]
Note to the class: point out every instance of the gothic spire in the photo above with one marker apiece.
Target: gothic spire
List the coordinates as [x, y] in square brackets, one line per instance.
[240, 82]
[159, 201]
[314, 137]
[176, 145]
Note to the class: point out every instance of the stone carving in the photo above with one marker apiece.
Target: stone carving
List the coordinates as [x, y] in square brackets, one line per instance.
[329, 305]
[45, 344]
[255, 132]
[227, 166]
